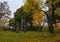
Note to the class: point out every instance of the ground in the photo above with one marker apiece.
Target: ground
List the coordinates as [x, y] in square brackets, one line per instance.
[30, 36]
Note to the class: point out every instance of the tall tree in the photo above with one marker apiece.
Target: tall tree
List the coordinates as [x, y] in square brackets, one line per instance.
[18, 17]
[53, 7]
[5, 12]
[32, 6]
[52, 14]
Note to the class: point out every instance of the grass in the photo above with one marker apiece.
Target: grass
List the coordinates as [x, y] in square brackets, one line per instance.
[30, 36]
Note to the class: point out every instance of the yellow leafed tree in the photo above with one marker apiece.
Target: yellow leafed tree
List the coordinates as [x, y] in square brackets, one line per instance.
[54, 11]
[37, 18]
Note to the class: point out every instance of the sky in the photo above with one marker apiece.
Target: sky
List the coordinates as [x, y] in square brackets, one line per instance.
[14, 5]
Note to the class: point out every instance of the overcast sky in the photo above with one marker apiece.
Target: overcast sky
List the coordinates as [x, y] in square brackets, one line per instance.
[14, 4]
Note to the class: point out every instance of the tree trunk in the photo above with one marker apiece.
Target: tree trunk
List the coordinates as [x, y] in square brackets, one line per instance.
[40, 29]
[24, 23]
[21, 29]
[51, 28]
[17, 29]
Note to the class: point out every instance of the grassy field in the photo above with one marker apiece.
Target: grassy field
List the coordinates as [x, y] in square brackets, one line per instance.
[8, 36]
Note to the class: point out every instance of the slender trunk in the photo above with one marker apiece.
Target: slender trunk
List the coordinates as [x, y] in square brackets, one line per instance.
[51, 29]
[17, 30]
[14, 22]
[21, 24]
[41, 27]
[24, 23]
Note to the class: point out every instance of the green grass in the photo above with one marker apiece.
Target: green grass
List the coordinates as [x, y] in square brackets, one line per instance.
[30, 36]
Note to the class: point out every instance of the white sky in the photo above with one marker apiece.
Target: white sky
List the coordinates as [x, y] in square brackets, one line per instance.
[14, 4]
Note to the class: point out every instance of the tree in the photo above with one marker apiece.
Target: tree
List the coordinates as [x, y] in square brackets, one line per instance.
[36, 7]
[11, 22]
[17, 17]
[37, 19]
[23, 15]
[52, 13]
[32, 6]
[5, 12]
[2, 27]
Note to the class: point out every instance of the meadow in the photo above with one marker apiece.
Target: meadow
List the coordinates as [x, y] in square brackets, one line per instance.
[29, 36]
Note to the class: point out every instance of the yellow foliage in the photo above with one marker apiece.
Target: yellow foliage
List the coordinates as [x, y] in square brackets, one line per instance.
[35, 23]
[55, 2]
[30, 5]
[58, 11]
[2, 25]
[56, 26]
[37, 18]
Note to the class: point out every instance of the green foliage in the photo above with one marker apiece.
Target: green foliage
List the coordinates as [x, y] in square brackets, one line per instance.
[26, 10]
[11, 22]
[19, 13]
[30, 5]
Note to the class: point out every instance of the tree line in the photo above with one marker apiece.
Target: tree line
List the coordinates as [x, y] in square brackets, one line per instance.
[32, 16]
